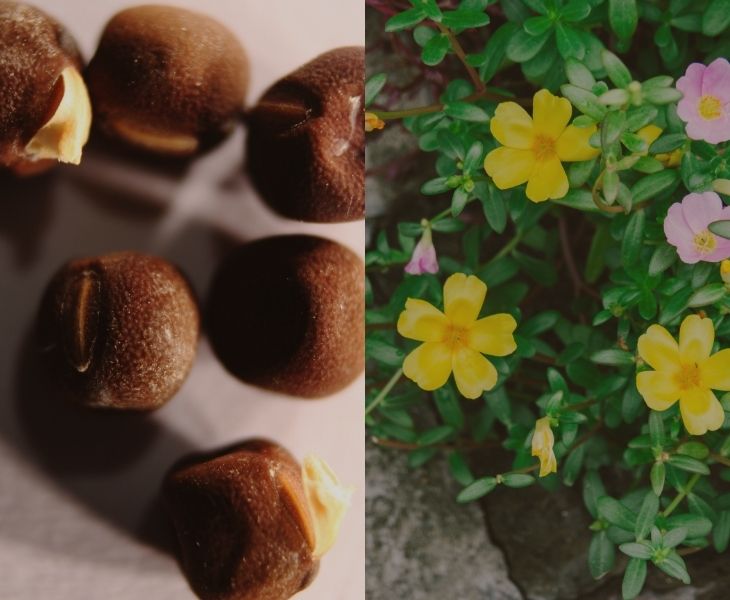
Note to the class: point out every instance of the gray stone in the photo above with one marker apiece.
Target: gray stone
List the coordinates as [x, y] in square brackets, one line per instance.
[421, 544]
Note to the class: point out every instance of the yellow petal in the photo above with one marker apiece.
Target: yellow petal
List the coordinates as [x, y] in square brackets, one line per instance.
[701, 411]
[550, 114]
[422, 321]
[658, 389]
[696, 336]
[429, 365]
[548, 180]
[512, 126]
[473, 373]
[509, 167]
[463, 298]
[658, 349]
[573, 144]
[543, 441]
[649, 134]
[493, 335]
[716, 371]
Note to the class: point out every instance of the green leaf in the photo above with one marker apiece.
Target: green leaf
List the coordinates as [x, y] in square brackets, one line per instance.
[517, 480]
[435, 50]
[460, 469]
[495, 211]
[449, 407]
[667, 143]
[578, 74]
[473, 158]
[459, 200]
[647, 514]
[435, 435]
[674, 537]
[636, 550]
[420, 457]
[585, 101]
[429, 7]
[721, 228]
[656, 428]
[657, 476]
[373, 87]
[696, 450]
[592, 490]
[716, 17]
[478, 489]
[696, 525]
[623, 17]
[616, 513]
[613, 357]
[601, 555]
[432, 187]
[523, 46]
[575, 10]
[664, 257]
[689, 464]
[653, 185]
[597, 253]
[674, 566]
[466, 112]
[405, 20]
[721, 532]
[494, 52]
[572, 465]
[569, 42]
[634, 578]
[384, 353]
[633, 237]
[465, 19]
[615, 69]
[708, 294]
[662, 95]
[410, 229]
[448, 225]
[537, 25]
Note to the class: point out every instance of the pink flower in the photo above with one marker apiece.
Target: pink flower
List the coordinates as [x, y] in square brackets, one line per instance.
[706, 103]
[424, 256]
[686, 227]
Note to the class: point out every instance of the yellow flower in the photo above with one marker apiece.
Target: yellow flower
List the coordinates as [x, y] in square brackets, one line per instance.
[685, 372]
[543, 441]
[725, 271]
[533, 149]
[456, 340]
[650, 134]
[373, 121]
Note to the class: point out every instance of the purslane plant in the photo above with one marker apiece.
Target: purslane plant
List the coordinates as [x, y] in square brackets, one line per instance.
[582, 148]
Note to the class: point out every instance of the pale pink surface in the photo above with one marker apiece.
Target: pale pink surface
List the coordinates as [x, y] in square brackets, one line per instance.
[68, 533]
[423, 259]
[693, 216]
[698, 81]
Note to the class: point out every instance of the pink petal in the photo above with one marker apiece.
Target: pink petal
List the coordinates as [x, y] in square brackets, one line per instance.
[700, 210]
[713, 132]
[721, 252]
[716, 80]
[687, 109]
[690, 84]
[676, 229]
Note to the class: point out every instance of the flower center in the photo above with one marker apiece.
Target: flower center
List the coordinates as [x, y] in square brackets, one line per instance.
[710, 108]
[456, 336]
[704, 242]
[543, 147]
[688, 376]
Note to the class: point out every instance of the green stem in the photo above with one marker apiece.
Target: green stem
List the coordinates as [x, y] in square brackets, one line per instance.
[719, 458]
[461, 55]
[682, 495]
[384, 392]
[507, 248]
[443, 214]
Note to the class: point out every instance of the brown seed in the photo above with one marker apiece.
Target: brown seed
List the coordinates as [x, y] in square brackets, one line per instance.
[306, 141]
[167, 80]
[45, 112]
[247, 520]
[119, 331]
[287, 313]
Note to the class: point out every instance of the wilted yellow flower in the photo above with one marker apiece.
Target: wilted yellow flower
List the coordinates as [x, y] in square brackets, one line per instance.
[456, 339]
[533, 149]
[543, 441]
[725, 271]
[685, 372]
[373, 121]
[650, 134]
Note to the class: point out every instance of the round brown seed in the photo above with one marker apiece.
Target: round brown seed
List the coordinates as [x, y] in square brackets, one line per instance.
[242, 522]
[306, 141]
[119, 331]
[168, 80]
[287, 313]
[45, 112]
